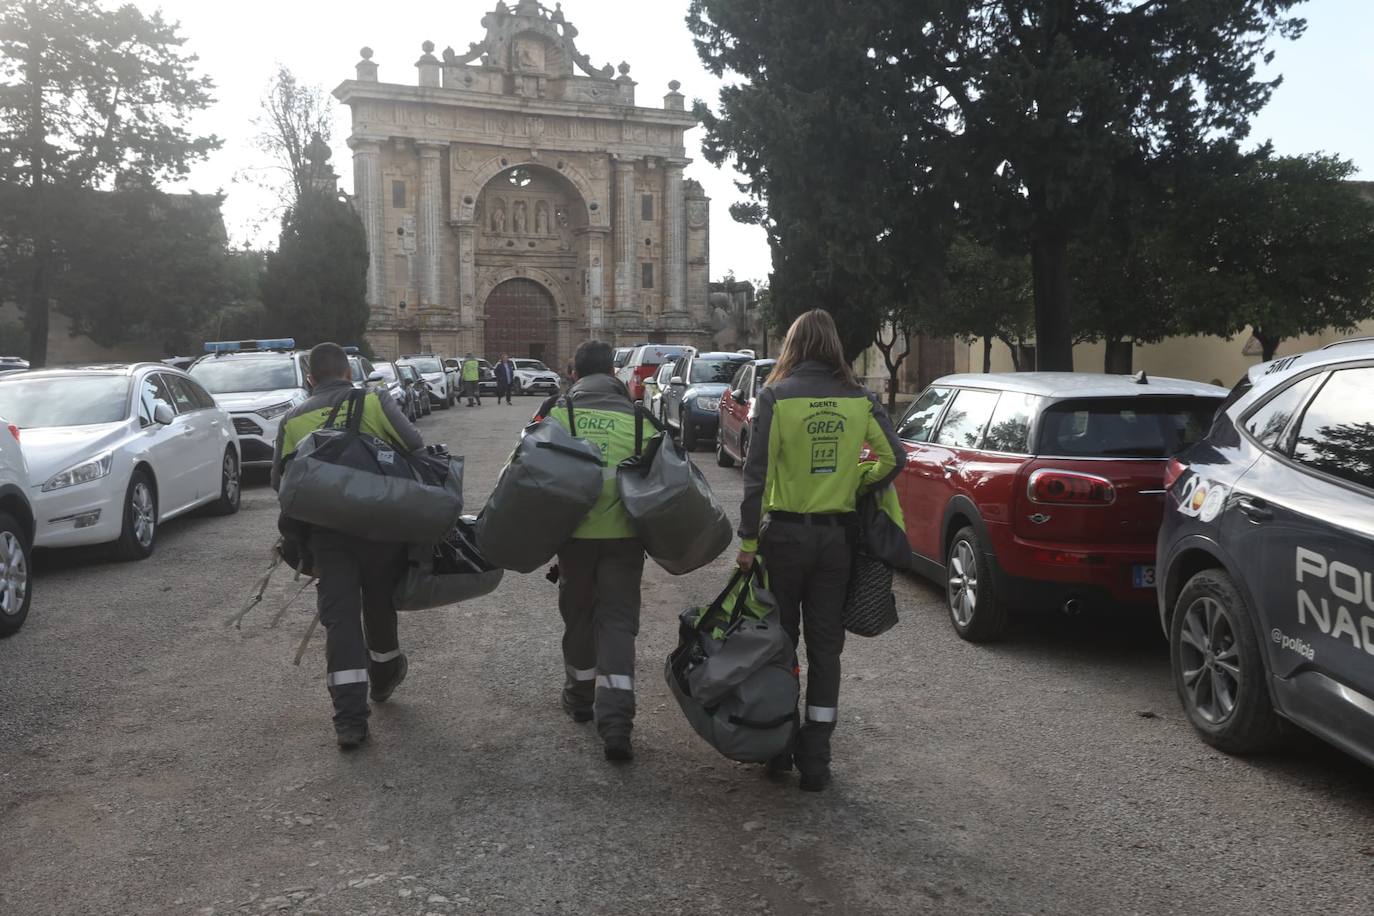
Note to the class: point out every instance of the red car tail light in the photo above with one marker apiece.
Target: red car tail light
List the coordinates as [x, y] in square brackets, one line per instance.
[14, 431]
[1172, 472]
[1052, 487]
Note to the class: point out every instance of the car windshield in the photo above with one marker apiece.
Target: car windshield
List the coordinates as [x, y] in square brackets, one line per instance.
[721, 371]
[427, 365]
[1138, 427]
[225, 376]
[64, 400]
[534, 364]
[385, 370]
[622, 356]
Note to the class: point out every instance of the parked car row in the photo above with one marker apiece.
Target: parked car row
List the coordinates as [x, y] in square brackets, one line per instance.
[108, 454]
[1246, 519]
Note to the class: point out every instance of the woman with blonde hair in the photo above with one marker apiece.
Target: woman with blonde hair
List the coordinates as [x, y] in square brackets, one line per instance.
[802, 478]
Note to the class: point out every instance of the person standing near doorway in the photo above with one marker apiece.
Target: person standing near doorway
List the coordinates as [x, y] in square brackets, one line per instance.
[505, 378]
[472, 376]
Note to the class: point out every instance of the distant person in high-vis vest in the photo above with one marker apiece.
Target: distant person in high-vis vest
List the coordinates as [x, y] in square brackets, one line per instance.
[602, 565]
[472, 377]
[802, 478]
[357, 577]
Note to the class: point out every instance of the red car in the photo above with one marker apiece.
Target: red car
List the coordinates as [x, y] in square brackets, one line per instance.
[1042, 487]
[732, 432]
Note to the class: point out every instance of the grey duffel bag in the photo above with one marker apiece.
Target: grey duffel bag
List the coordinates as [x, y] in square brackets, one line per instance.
[547, 488]
[451, 571]
[345, 480]
[670, 504]
[735, 674]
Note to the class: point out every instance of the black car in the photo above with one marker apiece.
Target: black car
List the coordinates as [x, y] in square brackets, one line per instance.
[1266, 557]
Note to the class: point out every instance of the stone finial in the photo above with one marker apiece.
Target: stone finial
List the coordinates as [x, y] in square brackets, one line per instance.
[429, 66]
[674, 100]
[624, 69]
[427, 47]
[367, 68]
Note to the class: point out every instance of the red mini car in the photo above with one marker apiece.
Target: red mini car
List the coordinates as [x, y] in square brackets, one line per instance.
[1042, 487]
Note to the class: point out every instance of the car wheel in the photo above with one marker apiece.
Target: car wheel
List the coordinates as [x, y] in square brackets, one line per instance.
[15, 575]
[1219, 668]
[139, 535]
[723, 458]
[975, 608]
[230, 485]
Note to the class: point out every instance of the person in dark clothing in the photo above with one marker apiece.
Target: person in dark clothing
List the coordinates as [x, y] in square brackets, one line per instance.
[811, 424]
[356, 576]
[505, 379]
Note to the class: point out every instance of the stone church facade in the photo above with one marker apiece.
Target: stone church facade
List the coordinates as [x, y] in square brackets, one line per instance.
[517, 199]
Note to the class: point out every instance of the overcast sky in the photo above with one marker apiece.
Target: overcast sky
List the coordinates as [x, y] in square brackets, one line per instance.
[1324, 104]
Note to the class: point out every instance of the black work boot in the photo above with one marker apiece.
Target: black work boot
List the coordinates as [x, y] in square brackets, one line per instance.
[812, 751]
[351, 735]
[618, 749]
[780, 765]
[387, 676]
[578, 712]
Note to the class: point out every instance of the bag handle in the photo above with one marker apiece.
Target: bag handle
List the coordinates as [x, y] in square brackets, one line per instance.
[718, 606]
[640, 416]
[348, 417]
[357, 401]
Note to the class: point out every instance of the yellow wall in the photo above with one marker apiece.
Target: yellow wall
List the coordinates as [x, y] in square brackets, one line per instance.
[1203, 359]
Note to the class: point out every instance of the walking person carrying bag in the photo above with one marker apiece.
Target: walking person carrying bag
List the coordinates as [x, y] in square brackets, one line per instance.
[802, 480]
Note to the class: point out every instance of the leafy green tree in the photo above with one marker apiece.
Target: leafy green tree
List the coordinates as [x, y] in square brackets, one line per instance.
[819, 127]
[1283, 246]
[89, 97]
[986, 296]
[315, 285]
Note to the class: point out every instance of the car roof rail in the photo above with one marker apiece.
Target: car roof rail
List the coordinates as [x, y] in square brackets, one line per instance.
[1348, 340]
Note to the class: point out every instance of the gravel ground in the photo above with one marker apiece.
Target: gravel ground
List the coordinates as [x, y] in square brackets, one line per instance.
[154, 761]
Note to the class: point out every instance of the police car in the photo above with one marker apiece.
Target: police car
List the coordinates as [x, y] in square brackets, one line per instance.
[1266, 557]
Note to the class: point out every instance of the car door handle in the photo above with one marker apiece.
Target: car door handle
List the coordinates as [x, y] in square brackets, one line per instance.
[1257, 510]
[951, 467]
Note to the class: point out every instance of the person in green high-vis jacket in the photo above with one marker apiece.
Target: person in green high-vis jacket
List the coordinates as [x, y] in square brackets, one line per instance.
[802, 480]
[472, 375]
[601, 567]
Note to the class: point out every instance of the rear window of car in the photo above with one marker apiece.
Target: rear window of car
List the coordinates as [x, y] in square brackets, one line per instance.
[1336, 435]
[622, 356]
[657, 356]
[717, 371]
[1136, 427]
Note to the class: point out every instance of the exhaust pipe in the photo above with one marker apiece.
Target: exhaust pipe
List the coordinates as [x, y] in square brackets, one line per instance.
[1073, 607]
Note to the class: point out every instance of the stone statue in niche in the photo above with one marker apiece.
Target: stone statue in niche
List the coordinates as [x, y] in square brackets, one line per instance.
[541, 219]
[520, 222]
[498, 219]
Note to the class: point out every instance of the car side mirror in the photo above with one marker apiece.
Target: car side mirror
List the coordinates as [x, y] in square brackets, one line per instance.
[163, 415]
[739, 395]
[376, 377]
[677, 380]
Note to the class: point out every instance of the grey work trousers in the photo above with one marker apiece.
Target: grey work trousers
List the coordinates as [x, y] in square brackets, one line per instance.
[357, 582]
[599, 597]
[808, 573]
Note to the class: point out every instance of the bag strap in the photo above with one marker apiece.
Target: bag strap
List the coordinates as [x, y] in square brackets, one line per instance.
[567, 402]
[357, 401]
[718, 606]
[639, 430]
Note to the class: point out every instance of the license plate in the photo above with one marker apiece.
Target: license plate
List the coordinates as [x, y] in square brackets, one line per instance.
[1143, 576]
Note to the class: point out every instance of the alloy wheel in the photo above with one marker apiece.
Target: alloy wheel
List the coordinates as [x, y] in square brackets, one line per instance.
[231, 479]
[963, 583]
[145, 514]
[1209, 660]
[14, 574]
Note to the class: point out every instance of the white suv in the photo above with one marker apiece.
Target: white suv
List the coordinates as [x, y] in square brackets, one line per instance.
[442, 390]
[257, 384]
[16, 532]
[533, 377]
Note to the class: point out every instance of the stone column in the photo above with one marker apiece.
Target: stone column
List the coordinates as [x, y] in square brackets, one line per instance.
[596, 287]
[626, 226]
[367, 191]
[429, 225]
[675, 238]
[467, 276]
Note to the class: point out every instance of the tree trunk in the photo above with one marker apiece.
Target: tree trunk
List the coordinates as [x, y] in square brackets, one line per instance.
[38, 295]
[1269, 345]
[1015, 349]
[987, 355]
[1053, 331]
[36, 307]
[1119, 359]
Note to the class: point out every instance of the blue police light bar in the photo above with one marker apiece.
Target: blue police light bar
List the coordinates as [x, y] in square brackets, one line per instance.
[351, 351]
[236, 346]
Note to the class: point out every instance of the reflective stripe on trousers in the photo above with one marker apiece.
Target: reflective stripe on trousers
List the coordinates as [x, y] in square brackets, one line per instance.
[581, 674]
[821, 714]
[351, 676]
[615, 682]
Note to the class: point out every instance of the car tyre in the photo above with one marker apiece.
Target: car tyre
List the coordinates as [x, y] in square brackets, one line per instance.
[976, 607]
[723, 458]
[1218, 667]
[230, 485]
[16, 575]
[139, 535]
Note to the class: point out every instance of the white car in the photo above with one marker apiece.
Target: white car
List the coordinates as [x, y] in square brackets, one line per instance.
[115, 451]
[442, 390]
[533, 377]
[257, 386]
[16, 532]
